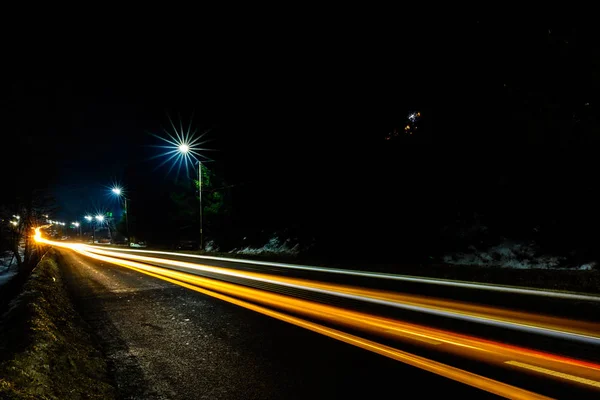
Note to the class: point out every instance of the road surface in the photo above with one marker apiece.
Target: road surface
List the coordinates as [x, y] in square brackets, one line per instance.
[162, 316]
[167, 342]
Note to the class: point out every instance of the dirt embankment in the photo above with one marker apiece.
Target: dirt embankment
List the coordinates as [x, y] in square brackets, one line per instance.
[46, 350]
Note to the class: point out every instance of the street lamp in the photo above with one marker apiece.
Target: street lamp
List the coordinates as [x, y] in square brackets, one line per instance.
[90, 219]
[184, 149]
[100, 220]
[119, 192]
[77, 225]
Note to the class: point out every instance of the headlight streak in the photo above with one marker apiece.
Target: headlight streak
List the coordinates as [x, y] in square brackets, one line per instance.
[382, 275]
[576, 371]
[552, 327]
[459, 375]
[462, 345]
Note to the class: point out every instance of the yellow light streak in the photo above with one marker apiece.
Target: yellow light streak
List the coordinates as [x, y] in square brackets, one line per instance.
[459, 375]
[555, 373]
[462, 345]
[518, 319]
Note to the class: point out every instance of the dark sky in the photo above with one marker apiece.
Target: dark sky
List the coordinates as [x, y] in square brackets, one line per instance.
[279, 102]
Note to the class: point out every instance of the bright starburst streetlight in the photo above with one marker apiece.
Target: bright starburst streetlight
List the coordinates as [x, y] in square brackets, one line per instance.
[117, 191]
[100, 218]
[88, 218]
[183, 147]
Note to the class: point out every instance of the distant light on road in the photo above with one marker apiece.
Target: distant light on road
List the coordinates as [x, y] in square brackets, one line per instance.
[100, 218]
[87, 217]
[76, 224]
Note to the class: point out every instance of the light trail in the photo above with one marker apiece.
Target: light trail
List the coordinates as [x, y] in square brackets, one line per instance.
[382, 275]
[459, 375]
[559, 328]
[555, 373]
[494, 353]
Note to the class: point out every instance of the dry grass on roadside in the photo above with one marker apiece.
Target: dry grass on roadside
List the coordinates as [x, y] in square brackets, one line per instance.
[45, 350]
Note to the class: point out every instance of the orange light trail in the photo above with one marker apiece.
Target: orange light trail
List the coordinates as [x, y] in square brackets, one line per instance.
[506, 356]
[574, 330]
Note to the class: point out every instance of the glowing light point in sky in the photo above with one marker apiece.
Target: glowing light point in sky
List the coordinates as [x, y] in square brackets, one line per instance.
[183, 148]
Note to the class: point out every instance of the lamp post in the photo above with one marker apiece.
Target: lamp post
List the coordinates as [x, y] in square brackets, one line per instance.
[77, 226]
[119, 192]
[100, 220]
[184, 149]
[91, 221]
[200, 197]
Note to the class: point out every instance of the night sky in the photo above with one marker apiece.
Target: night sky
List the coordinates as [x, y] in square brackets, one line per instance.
[303, 118]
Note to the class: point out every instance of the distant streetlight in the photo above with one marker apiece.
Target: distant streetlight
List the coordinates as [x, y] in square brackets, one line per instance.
[77, 225]
[90, 219]
[100, 219]
[119, 192]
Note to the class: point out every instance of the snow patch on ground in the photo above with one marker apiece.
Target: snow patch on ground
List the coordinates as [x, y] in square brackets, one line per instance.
[8, 268]
[274, 245]
[7, 276]
[507, 255]
[588, 266]
[211, 246]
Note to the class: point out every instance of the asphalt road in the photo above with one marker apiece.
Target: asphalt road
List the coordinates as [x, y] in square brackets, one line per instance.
[167, 342]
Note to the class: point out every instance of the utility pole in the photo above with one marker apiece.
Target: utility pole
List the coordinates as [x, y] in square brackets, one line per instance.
[127, 222]
[200, 197]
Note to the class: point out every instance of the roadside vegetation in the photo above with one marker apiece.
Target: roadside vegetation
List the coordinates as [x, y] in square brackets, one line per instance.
[46, 351]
